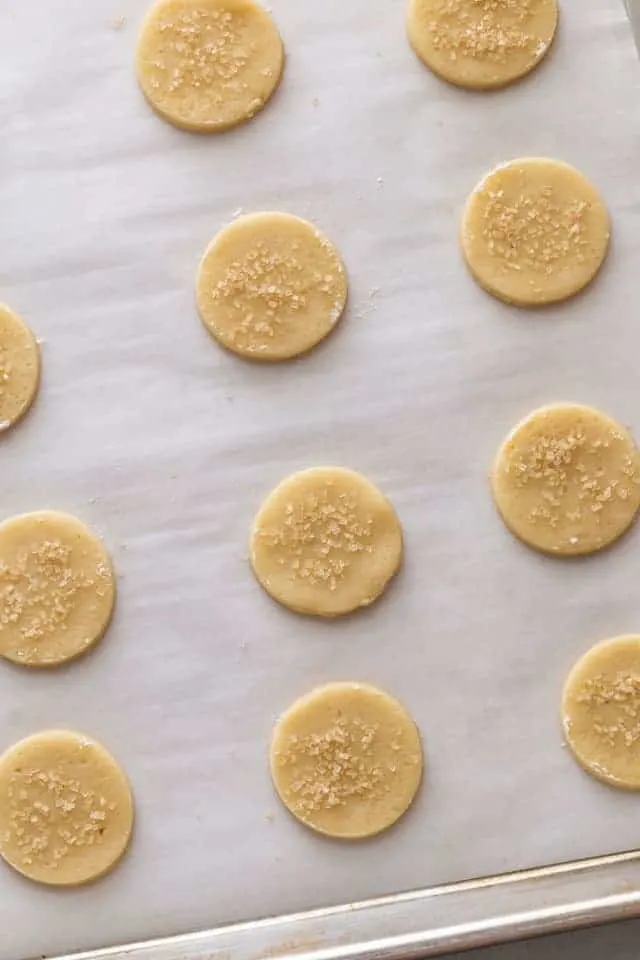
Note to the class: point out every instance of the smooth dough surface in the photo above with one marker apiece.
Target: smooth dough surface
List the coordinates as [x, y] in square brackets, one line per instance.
[567, 480]
[207, 65]
[346, 760]
[326, 542]
[57, 589]
[270, 286]
[601, 712]
[482, 44]
[534, 232]
[66, 810]
[19, 368]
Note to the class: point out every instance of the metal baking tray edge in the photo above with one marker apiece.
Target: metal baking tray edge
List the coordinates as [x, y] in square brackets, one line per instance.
[421, 923]
[633, 12]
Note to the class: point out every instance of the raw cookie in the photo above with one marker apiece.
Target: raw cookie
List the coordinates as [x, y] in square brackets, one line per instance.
[66, 810]
[567, 480]
[326, 542]
[346, 760]
[601, 712]
[57, 589]
[482, 44]
[534, 232]
[207, 65]
[19, 368]
[270, 286]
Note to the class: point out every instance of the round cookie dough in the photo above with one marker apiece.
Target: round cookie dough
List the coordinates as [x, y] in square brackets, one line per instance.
[57, 589]
[601, 712]
[346, 760]
[270, 286]
[482, 44]
[535, 232]
[326, 542]
[19, 368]
[66, 810]
[567, 480]
[207, 65]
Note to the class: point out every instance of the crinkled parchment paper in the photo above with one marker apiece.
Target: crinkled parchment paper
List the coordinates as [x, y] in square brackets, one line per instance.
[166, 445]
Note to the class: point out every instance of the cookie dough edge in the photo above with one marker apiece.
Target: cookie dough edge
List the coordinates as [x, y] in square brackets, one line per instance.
[524, 303]
[76, 884]
[319, 690]
[205, 128]
[287, 357]
[35, 389]
[303, 609]
[495, 469]
[592, 769]
[108, 562]
[489, 86]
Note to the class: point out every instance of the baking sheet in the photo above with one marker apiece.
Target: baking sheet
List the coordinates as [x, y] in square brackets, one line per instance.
[166, 445]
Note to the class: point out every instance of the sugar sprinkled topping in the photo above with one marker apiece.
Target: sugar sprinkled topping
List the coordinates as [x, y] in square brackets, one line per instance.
[619, 695]
[274, 287]
[488, 30]
[319, 536]
[577, 475]
[53, 816]
[196, 61]
[204, 50]
[39, 593]
[536, 231]
[336, 767]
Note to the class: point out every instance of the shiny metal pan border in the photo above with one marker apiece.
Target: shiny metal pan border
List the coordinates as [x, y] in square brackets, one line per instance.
[422, 923]
[633, 12]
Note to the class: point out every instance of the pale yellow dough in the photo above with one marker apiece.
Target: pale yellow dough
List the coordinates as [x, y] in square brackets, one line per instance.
[346, 760]
[57, 589]
[19, 368]
[66, 810]
[326, 542]
[567, 480]
[534, 232]
[207, 65]
[601, 712]
[482, 44]
[270, 286]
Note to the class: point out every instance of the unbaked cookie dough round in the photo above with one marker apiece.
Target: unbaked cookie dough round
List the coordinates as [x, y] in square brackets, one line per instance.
[567, 480]
[535, 232]
[270, 286]
[346, 760]
[482, 44]
[57, 589]
[326, 542]
[207, 65]
[601, 712]
[66, 810]
[19, 368]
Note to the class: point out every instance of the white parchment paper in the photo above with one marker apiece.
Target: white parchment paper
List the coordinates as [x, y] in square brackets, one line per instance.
[166, 445]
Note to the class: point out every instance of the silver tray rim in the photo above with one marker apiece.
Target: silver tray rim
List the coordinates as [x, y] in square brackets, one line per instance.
[633, 12]
[420, 923]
